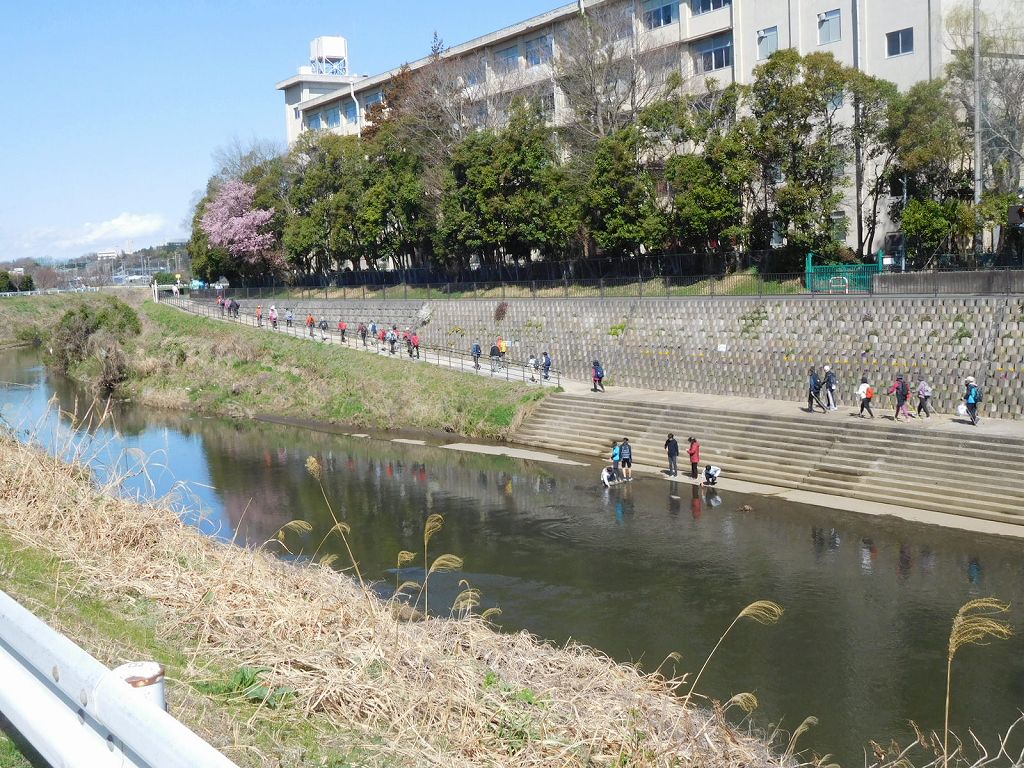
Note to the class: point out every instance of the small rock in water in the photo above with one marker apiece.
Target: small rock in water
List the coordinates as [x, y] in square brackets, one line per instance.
[746, 508]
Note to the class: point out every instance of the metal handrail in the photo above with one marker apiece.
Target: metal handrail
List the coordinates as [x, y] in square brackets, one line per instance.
[77, 712]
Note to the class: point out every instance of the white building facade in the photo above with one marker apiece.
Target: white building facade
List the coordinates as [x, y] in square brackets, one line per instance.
[898, 40]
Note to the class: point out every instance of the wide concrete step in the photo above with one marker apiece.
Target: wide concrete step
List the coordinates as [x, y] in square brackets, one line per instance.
[848, 450]
[886, 463]
[908, 435]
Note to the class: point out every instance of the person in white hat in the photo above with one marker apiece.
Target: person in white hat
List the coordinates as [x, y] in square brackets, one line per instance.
[972, 396]
[830, 388]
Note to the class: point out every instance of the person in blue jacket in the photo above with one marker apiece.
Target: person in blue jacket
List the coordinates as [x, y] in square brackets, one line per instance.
[813, 392]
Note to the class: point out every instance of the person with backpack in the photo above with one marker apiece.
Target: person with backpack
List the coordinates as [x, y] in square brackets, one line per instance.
[362, 333]
[502, 348]
[902, 391]
[813, 392]
[924, 395]
[546, 363]
[866, 393]
[830, 388]
[626, 458]
[616, 458]
[391, 337]
[475, 351]
[324, 325]
[289, 317]
[672, 451]
[597, 375]
[972, 397]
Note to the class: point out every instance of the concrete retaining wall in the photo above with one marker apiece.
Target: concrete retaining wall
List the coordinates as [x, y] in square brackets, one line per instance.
[985, 282]
[738, 346]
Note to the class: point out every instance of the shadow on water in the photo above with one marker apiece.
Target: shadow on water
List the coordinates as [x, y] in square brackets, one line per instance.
[637, 571]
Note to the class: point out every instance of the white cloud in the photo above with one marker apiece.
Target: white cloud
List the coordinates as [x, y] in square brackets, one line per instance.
[115, 231]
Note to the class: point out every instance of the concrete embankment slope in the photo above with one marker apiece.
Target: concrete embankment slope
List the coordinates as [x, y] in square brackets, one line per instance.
[736, 346]
[939, 465]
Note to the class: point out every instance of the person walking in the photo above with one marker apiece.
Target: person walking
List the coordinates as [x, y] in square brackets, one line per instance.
[273, 316]
[830, 388]
[416, 344]
[259, 315]
[532, 365]
[311, 325]
[475, 351]
[597, 375]
[924, 396]
[813, 391]
[343, 328]
[865, 392]
[616, 458]
[502, 348]
[693, 451]
[362, 333]
[972, 397]
[546, 365]
[324, 326]
[626, 458]
[289, 317]
[902, 391]
[672, 451]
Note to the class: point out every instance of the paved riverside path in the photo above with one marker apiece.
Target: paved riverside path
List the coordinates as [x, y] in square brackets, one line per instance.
[938, 470]
[510, 370]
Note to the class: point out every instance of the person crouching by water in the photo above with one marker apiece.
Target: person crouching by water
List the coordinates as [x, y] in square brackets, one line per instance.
[711, 473]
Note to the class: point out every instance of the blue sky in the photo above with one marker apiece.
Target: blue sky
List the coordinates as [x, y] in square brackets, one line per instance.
[111, 109]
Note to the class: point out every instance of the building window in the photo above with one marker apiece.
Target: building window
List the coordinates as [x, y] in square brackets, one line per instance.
[829, 27]
[475, 74]
[660, 13]
[546, 106]
[313, 122]
[836, 102]
[334, 117]
[538, 51]
[477, 114]
[507, 59]
[698, 7]
[714, 53]
[767, 42]
[899, 42]
[839, 226]
[374, 98]
[351, 111]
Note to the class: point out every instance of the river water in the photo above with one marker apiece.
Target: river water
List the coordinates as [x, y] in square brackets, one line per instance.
[635, 572]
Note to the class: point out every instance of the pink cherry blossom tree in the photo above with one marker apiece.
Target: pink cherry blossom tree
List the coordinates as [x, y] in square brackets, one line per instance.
[230, 221]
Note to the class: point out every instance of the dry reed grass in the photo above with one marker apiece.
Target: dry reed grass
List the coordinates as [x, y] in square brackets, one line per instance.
[449, 692]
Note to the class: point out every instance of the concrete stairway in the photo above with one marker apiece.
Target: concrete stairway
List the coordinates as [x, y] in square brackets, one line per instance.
[957, 472]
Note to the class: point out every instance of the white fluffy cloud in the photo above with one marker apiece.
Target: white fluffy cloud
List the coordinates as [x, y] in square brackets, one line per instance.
[115, 231]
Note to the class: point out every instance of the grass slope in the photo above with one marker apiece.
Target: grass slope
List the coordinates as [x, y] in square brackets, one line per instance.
[204, 365]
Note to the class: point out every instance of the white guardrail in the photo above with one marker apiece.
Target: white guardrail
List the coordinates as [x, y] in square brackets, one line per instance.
[77, 713]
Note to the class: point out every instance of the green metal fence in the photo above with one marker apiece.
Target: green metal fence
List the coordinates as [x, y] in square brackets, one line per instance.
[840, 278]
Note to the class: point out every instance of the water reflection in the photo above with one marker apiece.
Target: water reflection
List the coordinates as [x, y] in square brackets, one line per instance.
[639, 570]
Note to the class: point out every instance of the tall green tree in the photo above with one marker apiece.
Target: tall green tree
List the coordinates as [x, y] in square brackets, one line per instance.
[801, 145]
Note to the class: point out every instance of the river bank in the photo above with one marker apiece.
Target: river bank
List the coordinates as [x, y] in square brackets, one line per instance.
[190, 363]
[334, 677]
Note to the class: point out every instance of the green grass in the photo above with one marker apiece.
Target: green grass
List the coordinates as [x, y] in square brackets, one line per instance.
[183, 360]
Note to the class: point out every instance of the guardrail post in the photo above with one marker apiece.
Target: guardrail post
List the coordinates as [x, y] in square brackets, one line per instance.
[600, 287]
[566, 281]
[405, 290]
[668, 287]
[711, 285]
[533, 289]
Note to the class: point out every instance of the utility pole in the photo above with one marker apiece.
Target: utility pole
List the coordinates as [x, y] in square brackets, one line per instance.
[977, 131]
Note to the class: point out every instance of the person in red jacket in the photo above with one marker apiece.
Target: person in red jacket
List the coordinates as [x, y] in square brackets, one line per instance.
[416, 344]
[694, 453]
[343, 327]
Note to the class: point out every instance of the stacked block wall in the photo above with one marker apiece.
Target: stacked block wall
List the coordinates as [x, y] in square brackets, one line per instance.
[737, 346]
